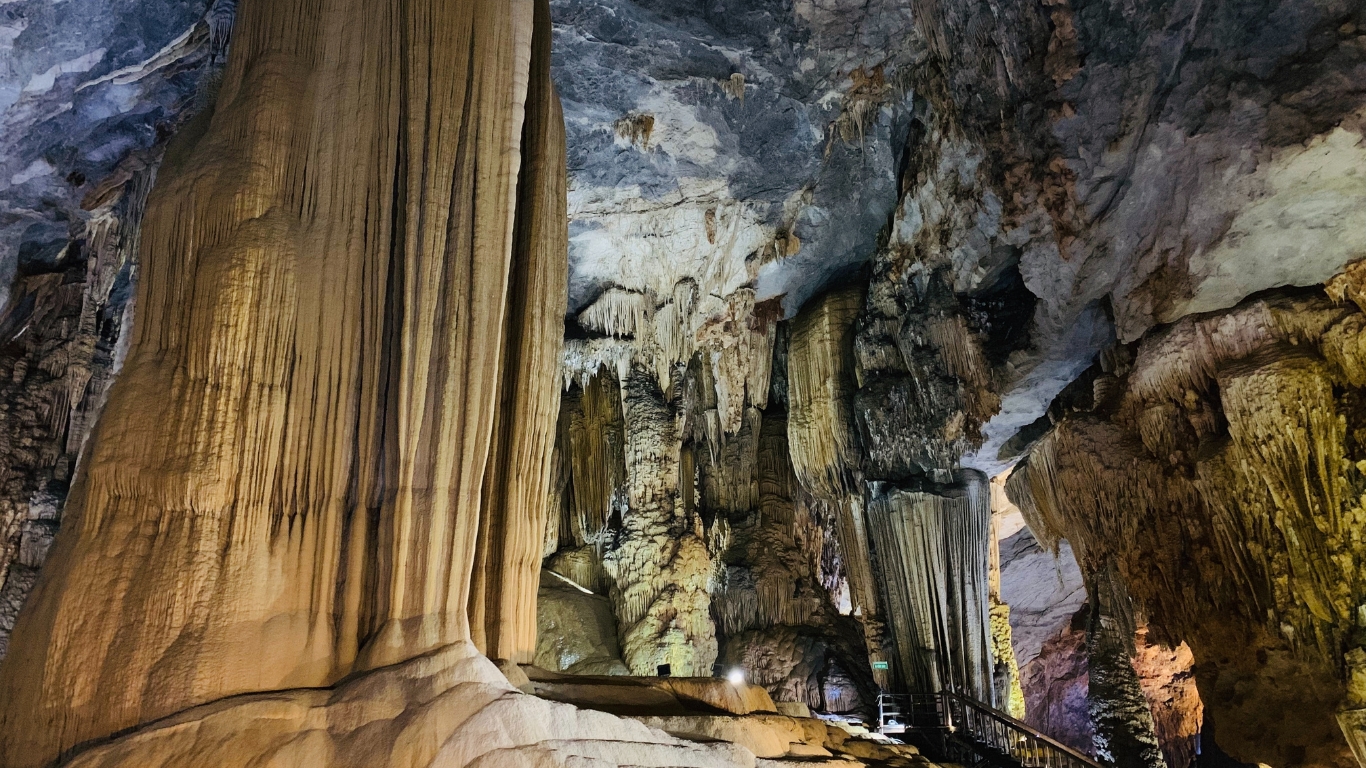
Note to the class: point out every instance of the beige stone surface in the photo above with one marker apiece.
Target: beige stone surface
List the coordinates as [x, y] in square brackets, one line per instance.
[703, 696]
[578, 633]
[448, 709]
[739, 699]
[291, 482]
[777, 737]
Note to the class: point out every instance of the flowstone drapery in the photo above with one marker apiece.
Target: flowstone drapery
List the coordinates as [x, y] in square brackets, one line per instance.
[350, 269]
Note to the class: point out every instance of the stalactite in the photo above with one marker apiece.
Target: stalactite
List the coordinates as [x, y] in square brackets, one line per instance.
[597, 457]
[674, 339]
[820, 383]
[665, 335]
[285, 486]
[779, 618]
[1219, 471]
[769, 566]
[961, 352]
[584, 358]
[847, 570]
[739, 351]
[730, 483]
[932, 550]
[618, 312]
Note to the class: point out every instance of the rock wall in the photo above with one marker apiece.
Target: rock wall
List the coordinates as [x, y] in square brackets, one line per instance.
[577, 632]
[1056, 686]
[1223, 447]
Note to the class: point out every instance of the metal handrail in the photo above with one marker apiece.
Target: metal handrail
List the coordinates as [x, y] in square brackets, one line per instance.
[953, 718]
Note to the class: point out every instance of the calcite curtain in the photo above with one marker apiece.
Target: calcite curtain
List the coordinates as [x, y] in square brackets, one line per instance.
[353, 275]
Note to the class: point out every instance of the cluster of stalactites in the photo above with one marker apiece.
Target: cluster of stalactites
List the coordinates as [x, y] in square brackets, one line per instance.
[769, 569]
[625, 528]
[758, 486]
[1219, 463]
[820, 388]
[665, 335]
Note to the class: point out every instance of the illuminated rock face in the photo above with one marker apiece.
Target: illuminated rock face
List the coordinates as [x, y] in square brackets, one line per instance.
[1223, 451]
[336, 331]
[447, 709]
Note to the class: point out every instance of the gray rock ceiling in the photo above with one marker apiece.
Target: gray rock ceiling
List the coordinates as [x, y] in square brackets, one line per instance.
[1214, 149]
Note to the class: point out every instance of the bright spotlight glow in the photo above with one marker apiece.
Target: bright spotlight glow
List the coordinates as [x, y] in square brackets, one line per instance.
[736, 676]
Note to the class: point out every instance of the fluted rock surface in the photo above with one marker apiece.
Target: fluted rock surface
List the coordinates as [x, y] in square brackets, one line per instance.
[932, 545]
[288, 481]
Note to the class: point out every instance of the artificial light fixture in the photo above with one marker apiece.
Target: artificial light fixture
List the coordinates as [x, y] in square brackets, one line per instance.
[736, 676]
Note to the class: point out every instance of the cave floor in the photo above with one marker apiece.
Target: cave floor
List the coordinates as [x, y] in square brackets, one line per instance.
[709, 710]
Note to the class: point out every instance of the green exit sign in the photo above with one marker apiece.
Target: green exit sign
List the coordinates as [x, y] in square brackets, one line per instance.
[879, 665]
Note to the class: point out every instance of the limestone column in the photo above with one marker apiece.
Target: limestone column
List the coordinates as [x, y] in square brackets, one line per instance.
[286, 484]
[1125, 734]
[516, 504]
[660, 567]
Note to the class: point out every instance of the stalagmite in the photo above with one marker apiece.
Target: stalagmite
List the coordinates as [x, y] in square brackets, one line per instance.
[286, 484]
[660, 567]
[1125, 735]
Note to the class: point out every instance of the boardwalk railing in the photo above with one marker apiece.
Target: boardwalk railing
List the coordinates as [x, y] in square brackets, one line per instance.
[973, 733]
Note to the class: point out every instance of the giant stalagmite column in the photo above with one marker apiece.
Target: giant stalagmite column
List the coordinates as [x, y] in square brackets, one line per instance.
[286, 486]
[660, 569]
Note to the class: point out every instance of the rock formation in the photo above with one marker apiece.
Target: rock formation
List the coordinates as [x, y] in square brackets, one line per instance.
[1219, 452]
[296, 455]
[336, 354]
